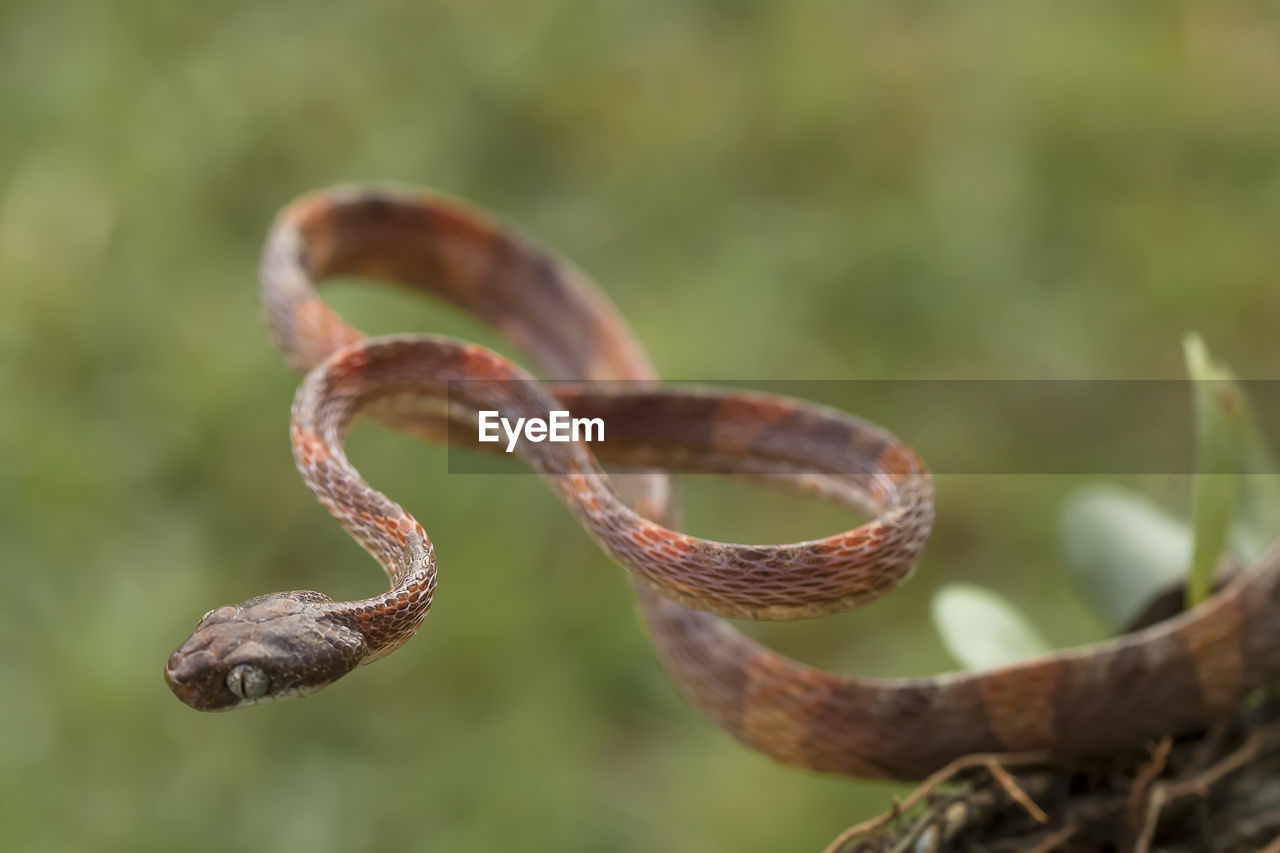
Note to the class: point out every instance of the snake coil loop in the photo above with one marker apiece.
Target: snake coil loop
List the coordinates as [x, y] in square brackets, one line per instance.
[1169, 678]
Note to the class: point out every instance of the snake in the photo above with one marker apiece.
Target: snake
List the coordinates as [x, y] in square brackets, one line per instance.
[1175, 676]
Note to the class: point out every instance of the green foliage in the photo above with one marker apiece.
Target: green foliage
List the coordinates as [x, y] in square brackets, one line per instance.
[1237, 493]
[983, 630]
[1121, 549]
[1218, 408]
[1231, 444]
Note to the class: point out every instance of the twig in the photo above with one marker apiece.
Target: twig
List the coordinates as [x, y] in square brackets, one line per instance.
[909, 839]
[1147, 774]
[1155, 805]
[1015, 793]
[1210, 746]
[1200, 783]
[927, 787]
[1055, 839]
[1247, 752]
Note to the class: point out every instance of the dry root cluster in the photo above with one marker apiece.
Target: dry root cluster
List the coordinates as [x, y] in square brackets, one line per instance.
[1217, 791]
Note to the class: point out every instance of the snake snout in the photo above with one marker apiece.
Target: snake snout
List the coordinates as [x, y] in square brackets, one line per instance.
[195, 674]
[182, 674]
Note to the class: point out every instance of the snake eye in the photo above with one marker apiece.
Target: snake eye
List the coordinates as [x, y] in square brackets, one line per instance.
[247, 682]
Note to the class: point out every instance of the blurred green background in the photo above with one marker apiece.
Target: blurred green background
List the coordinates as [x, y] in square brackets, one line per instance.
[794, 190]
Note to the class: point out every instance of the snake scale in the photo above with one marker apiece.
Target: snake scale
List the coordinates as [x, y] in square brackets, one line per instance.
[1168, 678]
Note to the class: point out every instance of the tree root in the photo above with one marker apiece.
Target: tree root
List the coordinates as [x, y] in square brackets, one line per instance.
[1216, 791]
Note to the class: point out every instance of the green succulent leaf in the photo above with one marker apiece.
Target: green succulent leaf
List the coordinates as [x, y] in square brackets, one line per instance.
[1121, 549]
[1218, 403]
[1237, 492]
[981, 629]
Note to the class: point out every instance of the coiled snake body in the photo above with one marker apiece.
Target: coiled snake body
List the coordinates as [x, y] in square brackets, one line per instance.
[1169, 678]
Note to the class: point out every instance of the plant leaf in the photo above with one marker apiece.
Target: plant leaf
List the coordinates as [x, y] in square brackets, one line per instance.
[981, 629]
[1122, 550]
[1220, 417]
[1257, 518]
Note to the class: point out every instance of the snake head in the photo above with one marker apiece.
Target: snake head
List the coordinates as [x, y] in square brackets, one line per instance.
[272, 647]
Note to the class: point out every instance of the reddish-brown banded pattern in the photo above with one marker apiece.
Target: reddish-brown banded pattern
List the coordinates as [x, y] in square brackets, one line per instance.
[1166, 679]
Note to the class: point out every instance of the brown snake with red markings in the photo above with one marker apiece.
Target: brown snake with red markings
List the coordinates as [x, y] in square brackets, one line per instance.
[1169, 678]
